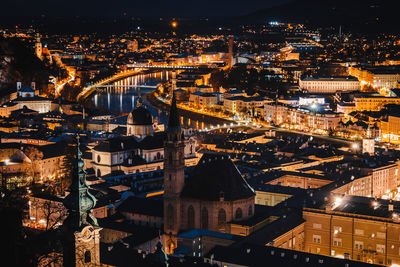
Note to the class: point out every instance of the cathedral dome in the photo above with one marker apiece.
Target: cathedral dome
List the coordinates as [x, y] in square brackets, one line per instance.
[140, 116]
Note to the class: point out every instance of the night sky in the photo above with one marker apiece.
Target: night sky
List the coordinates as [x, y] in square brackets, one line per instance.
[132, 8]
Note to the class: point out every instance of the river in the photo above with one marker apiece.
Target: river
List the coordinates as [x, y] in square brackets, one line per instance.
[123, 99]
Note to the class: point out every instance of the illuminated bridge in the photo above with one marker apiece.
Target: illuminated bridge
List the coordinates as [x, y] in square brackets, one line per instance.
[134, 69]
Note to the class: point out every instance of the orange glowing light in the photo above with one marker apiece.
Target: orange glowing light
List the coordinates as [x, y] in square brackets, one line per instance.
[174, 24]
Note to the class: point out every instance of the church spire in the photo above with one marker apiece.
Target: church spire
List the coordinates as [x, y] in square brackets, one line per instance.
[80, 201]
[174, 125]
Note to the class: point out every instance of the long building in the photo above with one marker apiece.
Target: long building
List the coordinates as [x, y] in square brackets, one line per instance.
[301, 118]
[377, 76]
[329, 85]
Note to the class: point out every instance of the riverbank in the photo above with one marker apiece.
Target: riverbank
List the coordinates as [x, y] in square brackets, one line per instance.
[152, 99]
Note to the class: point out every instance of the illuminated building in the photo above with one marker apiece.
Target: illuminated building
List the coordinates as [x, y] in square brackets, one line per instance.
[377, 76]
[373, 102]
[132, 45]
[27, 98]
[391, 129]
[304, 118]
[354, 228]
[38, 47]
[214, 194]
[329, 85]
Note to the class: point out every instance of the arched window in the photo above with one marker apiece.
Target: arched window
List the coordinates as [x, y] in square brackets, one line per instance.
[238, 214]
[191, 149]
[222, 220]
[138, 131]
[204, 218]
[88, 256]
[158, 155]
[250, 210]
[170, 217]
[98, 158]
[190, 217]
[98, 173]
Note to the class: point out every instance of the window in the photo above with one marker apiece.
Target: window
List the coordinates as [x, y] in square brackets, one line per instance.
[88, 257]
[250, 210]
[191, 217]
[337, 242]
[98, 158]
[98, 173]
[317, 226]
[222, 220]
[358, 245]
[317, 239]
[238, 214]
[204, 219]
[380, 248]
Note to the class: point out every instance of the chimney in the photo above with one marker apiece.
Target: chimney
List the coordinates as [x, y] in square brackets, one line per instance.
[19, 85]
[33, 85]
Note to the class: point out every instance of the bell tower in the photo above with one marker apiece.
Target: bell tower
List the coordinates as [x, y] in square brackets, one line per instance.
[38, 47]
[81, 232]
[174, 176]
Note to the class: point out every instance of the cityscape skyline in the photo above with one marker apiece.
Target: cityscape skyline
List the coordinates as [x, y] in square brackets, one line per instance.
[265, 139]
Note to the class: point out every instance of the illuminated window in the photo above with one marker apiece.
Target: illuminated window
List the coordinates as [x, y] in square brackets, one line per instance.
[337, 242]
[380, 248]
[358, 245]
[317, 239]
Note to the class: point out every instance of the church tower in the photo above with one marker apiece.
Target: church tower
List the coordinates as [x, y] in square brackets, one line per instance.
[174, 176]
[81, 233]
[38, 47]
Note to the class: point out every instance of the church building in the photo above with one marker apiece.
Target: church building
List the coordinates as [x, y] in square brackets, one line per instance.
[141, 150]
[213, 194]
[81, 232]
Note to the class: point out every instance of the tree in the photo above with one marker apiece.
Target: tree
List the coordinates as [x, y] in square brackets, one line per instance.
[13, 204]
